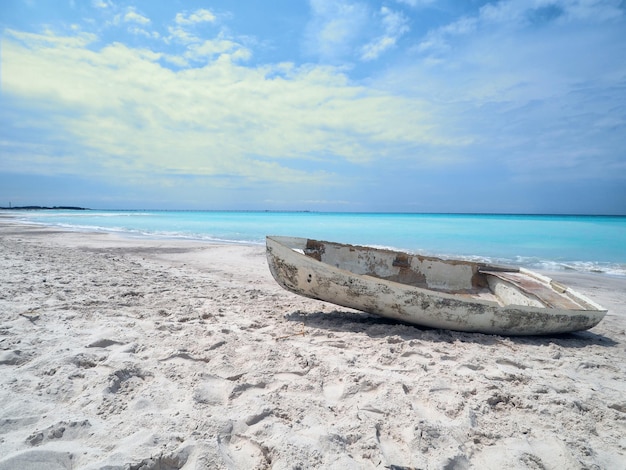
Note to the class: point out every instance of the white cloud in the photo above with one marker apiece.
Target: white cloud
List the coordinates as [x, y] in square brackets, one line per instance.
[176, 60]
[526, 86]
[416, 3]
[511, 21]
[142, 32]
[219, 47]
[395, 25]
[336, 28]
[438, 40]
[181, 35]
[102, 4]
[132, 16]
[519, 13]
[375, 48]
[49, 39]
[218, 119]
[341, 31]
[198, 49]
[183, 31]
[199, 16]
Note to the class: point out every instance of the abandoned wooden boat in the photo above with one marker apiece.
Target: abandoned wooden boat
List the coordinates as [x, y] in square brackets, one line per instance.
[428, 291]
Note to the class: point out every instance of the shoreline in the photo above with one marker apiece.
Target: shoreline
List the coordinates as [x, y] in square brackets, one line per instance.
[181, 354]
[565, 269]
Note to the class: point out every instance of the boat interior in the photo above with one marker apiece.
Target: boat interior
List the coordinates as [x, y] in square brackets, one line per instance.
[503, 285]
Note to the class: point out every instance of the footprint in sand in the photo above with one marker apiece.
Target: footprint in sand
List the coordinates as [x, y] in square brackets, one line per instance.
[122, 383]
[526, 453]
[87, 361]
[103, 343]
[173, 461]
[213, 390]
[394, 451]
[62, 430]
[241, 452]
[125, 379]
[468, 368]
[239, 389]
[12, 358]
[333, 391]
[34, 459]
[509, 363]
[338, 390]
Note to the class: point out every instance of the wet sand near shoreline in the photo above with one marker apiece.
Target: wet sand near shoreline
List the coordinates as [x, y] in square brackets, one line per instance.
[164, 354]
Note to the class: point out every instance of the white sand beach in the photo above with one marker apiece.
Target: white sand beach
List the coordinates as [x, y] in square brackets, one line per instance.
[160, 354]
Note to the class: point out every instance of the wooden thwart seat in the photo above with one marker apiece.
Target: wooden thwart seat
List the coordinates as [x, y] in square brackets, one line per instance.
[540, 291]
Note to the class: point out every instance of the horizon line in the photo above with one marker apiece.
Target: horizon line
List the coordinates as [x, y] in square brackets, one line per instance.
[80, 208]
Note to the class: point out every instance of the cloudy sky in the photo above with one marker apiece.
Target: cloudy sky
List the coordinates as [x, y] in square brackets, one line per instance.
[331, 105]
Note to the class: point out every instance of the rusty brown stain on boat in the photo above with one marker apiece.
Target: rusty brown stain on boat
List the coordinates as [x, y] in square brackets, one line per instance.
[402, 261]
[289, 271]
[315, 249]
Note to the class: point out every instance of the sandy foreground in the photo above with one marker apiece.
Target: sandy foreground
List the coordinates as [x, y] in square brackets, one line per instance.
[137, 354]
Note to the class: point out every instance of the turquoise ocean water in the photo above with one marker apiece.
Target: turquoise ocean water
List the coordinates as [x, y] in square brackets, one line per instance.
[578, 243]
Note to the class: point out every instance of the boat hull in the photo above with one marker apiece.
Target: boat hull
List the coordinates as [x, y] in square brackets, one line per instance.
[454, 303]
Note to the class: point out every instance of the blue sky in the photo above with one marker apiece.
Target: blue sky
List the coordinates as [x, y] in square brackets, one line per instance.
[514, 106]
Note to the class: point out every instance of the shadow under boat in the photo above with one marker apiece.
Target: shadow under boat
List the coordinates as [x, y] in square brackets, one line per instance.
[376, 327]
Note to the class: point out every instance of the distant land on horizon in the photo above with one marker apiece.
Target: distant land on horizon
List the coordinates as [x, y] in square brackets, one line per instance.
[64, 208]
